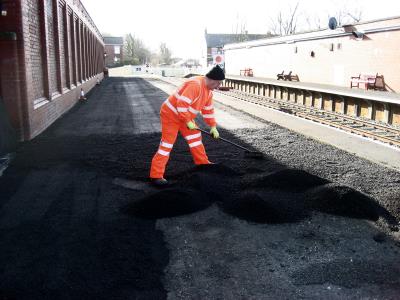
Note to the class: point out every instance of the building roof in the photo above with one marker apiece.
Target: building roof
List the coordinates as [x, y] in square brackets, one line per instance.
[215, 40]
[356, 30]
[113, 40]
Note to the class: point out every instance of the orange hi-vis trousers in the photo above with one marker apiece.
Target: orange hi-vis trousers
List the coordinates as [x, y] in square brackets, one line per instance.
[169, 128]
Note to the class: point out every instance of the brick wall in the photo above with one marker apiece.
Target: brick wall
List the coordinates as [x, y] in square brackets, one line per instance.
[62, 38]
[57, 52]
[110, 58]
[12, 73]
[72, 47]
[51, 47]
[34, 49]
[109, 49]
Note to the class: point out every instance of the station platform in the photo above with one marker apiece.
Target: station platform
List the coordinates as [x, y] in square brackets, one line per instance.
[377, 152]
[381, 96]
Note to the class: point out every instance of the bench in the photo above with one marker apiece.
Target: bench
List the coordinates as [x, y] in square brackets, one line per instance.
[368, 81]
[246, 72]
[293, 77]
[224, 88]
[280, 76]
[289, 76]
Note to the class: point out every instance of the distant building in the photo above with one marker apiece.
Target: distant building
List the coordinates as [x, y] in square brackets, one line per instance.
[324, 56]
[216, 41]
[114, 46]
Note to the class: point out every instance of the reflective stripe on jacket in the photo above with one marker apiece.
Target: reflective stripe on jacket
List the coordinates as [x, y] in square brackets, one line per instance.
[191, 98]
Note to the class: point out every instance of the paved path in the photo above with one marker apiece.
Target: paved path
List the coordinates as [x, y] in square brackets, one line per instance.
[78, 220]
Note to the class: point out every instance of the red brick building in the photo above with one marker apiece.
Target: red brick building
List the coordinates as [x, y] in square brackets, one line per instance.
[49, 51]
[114, 47]
[215, 42]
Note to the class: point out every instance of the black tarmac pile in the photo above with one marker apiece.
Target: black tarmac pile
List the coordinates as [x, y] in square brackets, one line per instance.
[308, 221]
[167, 203]
[345, 201]
[284, 196]
[288, 180]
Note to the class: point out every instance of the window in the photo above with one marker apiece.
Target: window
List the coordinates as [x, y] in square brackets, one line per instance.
[117, 49]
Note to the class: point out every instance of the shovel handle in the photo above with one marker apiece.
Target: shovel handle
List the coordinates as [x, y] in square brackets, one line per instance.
[226, 141]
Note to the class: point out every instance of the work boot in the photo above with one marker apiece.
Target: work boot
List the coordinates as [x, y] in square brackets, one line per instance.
[159, 181]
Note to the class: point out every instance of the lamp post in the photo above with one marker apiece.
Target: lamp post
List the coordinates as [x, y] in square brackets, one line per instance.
[104, 56]
[105, 70]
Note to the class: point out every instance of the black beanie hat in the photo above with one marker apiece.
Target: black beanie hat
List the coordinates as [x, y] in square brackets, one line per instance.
[216, 73]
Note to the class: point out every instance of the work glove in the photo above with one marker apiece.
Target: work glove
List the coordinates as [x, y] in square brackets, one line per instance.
[214, 132]
[191, 125]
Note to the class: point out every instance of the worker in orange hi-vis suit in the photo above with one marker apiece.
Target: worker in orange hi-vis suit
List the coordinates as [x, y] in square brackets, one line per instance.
[178, 113]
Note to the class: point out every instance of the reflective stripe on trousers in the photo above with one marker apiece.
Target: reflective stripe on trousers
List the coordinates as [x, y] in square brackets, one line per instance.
[169, 131]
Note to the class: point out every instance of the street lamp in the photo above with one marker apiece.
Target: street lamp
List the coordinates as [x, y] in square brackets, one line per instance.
[105, 70]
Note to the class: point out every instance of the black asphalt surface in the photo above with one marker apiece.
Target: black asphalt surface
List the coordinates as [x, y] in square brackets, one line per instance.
[79, 220]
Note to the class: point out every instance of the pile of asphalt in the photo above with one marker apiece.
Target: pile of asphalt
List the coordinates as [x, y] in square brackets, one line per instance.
[284, 196]
[168, 203]
[287, 179]
[68, 232]
[344, 201]
[262, 191]
[273, 207]
[296, 152]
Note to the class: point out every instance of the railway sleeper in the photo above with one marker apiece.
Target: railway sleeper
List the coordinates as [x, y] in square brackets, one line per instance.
[369, 128]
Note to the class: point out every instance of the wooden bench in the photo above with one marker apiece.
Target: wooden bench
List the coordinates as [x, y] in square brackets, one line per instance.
[368, 81]
[280, 76]
[289, 76]
[246, 72]
[293, 77]
[224, 88]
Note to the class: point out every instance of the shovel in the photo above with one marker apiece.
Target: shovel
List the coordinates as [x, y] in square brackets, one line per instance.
[247, 152]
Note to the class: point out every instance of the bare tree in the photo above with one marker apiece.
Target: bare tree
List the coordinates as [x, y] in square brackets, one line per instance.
[165, 54]
[240, 30]
[343, 15]
[294, 21]
[154, 59]
[135, 50]
[346, 15]
[129, 48]
[285, 24]
[313, 22]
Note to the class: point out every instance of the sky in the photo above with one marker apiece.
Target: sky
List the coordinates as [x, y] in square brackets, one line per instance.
[181, 24]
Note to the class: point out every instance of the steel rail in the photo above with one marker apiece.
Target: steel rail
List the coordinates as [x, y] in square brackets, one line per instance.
[366, 128]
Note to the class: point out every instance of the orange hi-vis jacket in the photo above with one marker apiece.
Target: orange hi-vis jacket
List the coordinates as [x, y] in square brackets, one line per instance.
[190, 99]
[180, 108]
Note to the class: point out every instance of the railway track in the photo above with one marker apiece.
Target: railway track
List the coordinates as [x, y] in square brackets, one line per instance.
[366, 128]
